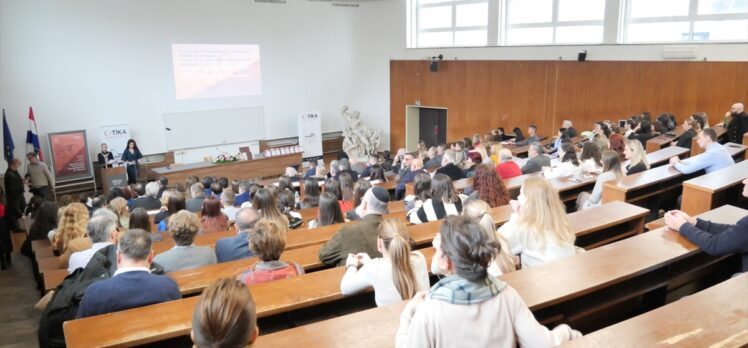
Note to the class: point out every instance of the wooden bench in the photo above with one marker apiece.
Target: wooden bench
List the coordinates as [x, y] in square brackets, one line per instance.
[271, 298]
[715, 317]
[663, 140]
[588, 284]
[53, 278]
[697, 150]
[711, 190]
[41, 243]
[521, 151]
[637, 187]
[737, 151]
[663, 156]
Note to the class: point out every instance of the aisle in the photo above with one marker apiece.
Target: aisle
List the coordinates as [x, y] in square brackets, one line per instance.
[18, 294]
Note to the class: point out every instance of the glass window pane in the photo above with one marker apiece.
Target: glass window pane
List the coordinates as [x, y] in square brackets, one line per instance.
[471, 38]
[426, 2]
[530, 11]
[472, 15]
[736, 30]
[435, 17]
[722, 6]
[659, 8]
[581, 10]
[435, 39]
[658, 32]
[529, 36]
[579, 34]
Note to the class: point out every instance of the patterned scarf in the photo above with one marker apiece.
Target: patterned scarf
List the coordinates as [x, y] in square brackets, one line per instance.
[457, 290]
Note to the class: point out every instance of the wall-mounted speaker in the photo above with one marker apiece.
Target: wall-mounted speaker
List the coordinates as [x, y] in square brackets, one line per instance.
[582, 56]
[434, 66]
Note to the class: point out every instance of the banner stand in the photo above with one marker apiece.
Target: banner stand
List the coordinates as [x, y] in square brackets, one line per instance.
[310, 136]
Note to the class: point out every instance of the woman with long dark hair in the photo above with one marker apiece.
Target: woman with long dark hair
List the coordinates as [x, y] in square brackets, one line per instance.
[329, 211]
[131, 156]
[311, 193]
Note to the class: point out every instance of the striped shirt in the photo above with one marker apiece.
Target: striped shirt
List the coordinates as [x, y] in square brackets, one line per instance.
[432, 211]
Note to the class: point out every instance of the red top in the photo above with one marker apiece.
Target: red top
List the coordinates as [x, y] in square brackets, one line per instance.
[2, 210]
[345, 206]
[261, 275]
[508, 169]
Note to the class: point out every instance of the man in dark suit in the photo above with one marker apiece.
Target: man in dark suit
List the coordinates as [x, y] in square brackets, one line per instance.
[14, 190]
[149, 201]
[449, 168]
[237, 248]
[738, 123]
[536, 159]
[570, 131]
[345, 167]
[132, 285]
[197, 194]
[416, 167]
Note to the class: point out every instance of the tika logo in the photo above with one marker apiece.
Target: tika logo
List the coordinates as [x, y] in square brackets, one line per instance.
[115, 132]
[117, 182]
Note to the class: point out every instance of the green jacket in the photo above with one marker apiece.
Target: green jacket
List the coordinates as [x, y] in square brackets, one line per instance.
[354, 238]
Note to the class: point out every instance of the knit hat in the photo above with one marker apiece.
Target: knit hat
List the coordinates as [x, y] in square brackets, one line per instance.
[381, 194]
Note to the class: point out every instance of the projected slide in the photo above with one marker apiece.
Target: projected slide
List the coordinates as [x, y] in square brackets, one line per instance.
[215, 71]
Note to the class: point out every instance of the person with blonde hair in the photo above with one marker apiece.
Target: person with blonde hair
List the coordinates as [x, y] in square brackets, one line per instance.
[538, 229]
[612, 170]
[634, 152]
[71, 234]
[225, 316]
[481, 212]
[267, 241]
[395, 276]
[183, 227]
[119, 207]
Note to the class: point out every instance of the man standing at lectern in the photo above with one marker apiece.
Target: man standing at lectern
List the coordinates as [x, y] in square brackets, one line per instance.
[40, 179]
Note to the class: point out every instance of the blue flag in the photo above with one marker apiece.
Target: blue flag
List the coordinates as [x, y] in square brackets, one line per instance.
[8, 146]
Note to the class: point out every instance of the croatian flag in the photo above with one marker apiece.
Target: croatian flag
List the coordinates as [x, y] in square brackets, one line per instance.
[32, 136]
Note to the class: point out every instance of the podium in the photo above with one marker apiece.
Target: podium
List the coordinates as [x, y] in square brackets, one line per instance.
[113, 177]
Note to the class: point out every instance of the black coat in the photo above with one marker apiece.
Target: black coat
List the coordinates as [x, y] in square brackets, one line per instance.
[737, 127]
[13, 182]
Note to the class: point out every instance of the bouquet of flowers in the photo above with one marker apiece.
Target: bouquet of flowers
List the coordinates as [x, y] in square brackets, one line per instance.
[226, 158]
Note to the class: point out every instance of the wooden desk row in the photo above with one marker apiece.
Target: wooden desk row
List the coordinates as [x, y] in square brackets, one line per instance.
[711, 190]
[663, 140]
[583, 285]
[271, 298]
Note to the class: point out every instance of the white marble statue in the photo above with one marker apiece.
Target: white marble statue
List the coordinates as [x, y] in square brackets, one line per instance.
[360, 140]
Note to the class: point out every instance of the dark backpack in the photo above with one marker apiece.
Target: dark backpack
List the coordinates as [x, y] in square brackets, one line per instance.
[668, 121]
[64, 303]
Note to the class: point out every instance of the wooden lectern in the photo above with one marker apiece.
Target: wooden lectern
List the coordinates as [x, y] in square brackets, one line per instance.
[113, 177]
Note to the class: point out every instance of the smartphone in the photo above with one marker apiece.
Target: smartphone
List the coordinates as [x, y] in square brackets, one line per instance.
[621, 123]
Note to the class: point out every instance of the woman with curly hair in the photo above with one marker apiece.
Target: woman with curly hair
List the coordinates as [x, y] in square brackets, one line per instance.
[71, 234]
[489, 187]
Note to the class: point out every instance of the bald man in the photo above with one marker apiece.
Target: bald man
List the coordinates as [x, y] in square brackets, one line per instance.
[738, 123]
[416, 167]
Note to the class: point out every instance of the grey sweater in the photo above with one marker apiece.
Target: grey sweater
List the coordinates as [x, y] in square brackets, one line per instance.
[185, 257]
[40, 175]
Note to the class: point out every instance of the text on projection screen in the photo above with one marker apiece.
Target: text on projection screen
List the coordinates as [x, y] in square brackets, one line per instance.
[215, 71]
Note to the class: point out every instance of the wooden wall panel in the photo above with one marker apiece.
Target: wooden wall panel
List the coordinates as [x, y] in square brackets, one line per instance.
[480, 95]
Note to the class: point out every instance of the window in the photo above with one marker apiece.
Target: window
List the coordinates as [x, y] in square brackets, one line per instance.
[532, 22]
[474, 23]
[445, 23]
[685, 20]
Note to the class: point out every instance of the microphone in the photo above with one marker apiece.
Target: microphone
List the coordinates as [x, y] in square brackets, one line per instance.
[168, 129]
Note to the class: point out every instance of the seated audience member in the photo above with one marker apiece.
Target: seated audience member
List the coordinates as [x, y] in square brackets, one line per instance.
[334, 168]
[474, 159]
[173, 202]
[569, 163]
[359, 190]
[132, 285]
[149, 201]
[119, 207]
[416, 167]
[236, 248]
[292, 174]
[163, 184]
[444, 201]
[421, 192]
[560, 136]
[570, 131]
[538, 230]
[434, 160]
[738, 125]
[470, 307]
[267, 206]
[373, 160]
[71, 234]
[690, 129]
[243, 195]
[481, 212]
[518, 136]
[44, 222]
[507, 168]
[396, 276]
[287, 203]
[532, 137]
[102, 232]
[701, 118]
[225, 316]
[346, 192]
[602, 134]
[284, 183]
[617, 143]
[212, 219]
[499, 134]
[215, 190]
[536, 160]
[642, 132]
[377, 175]
[329, 211]
[488, 187]
[227, 201]
[715, 156]
[224, 182]
[267, 240]
[197, 192]
[183, 227]
[207, 182]
[344, 166]
[311, 193]
[612, 170]
[360, 237]
[312, 170]
[713, 238]
[139, 219]
[188, 184]
[634, 152]
[449, 166]
[591, 160]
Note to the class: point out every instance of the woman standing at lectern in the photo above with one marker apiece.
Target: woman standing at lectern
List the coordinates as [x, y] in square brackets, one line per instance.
[130, 156]
[105, 156]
